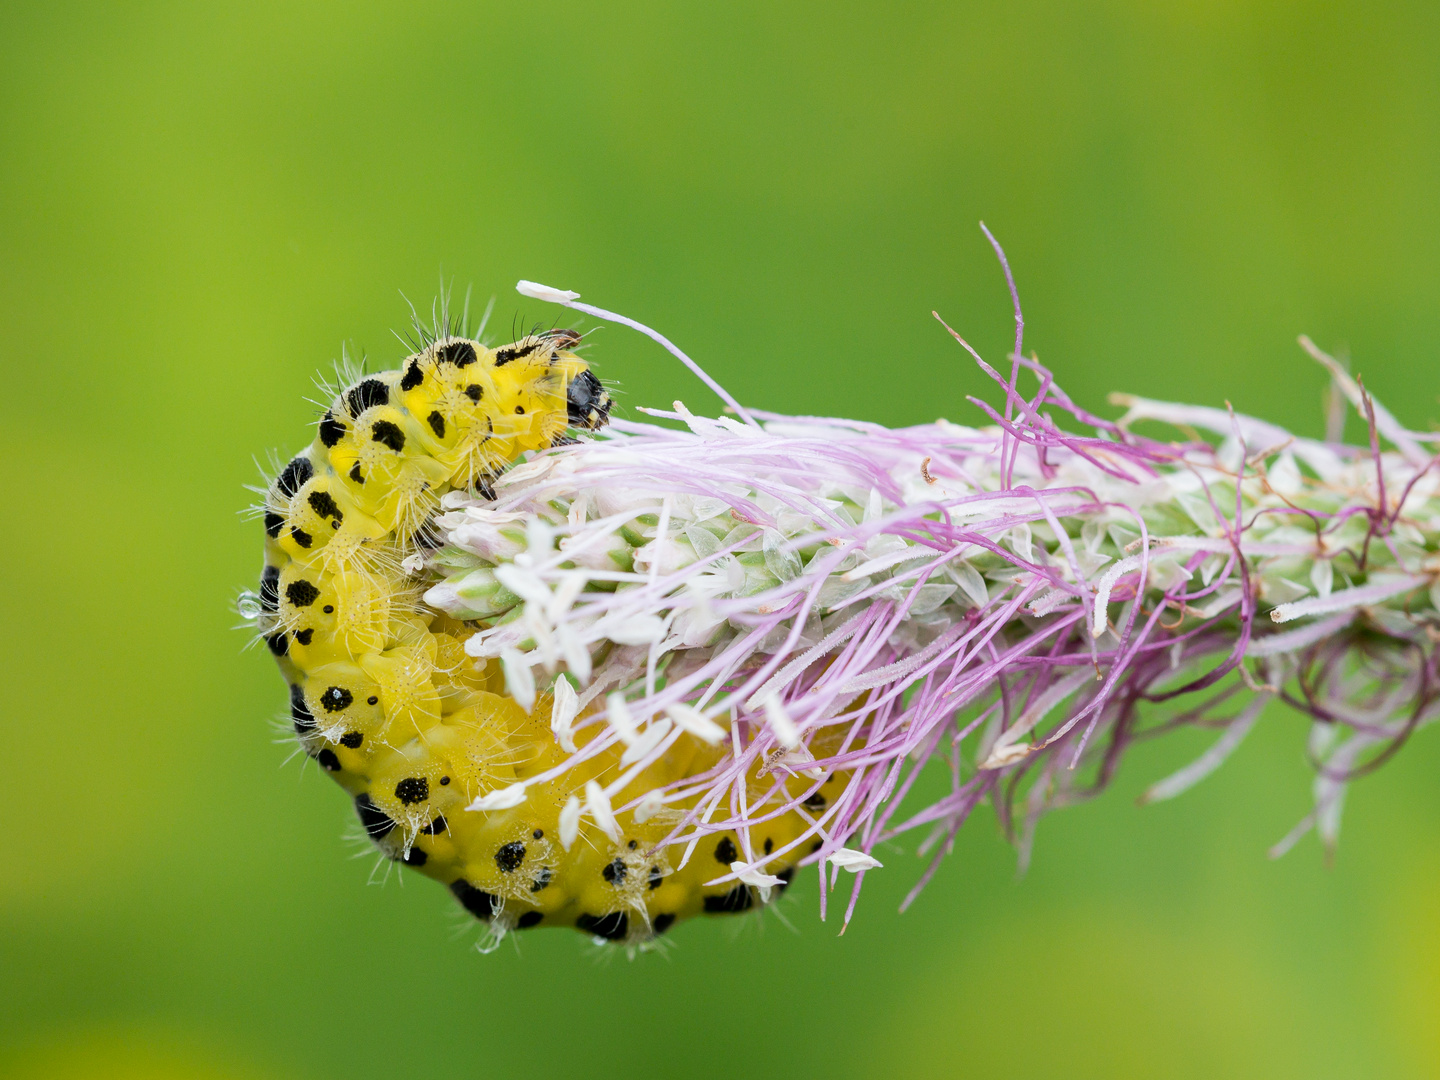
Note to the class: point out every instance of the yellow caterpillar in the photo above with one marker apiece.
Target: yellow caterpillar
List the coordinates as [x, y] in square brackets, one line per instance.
[383, 695]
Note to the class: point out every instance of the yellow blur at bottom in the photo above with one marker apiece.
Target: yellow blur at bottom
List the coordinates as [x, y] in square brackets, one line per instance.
[127, 1055]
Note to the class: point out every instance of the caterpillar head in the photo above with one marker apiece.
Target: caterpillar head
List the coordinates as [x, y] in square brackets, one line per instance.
[587, 402]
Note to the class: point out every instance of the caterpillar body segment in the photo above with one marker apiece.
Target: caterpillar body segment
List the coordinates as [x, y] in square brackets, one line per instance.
[383, 696]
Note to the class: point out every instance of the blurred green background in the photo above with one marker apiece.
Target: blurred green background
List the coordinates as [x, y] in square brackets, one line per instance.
[198, 203]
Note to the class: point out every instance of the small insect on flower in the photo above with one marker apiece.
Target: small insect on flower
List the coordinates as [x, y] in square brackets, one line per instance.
[613, 682]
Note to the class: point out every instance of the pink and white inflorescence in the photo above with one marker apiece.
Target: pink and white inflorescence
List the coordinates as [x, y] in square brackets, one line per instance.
[1012, 605]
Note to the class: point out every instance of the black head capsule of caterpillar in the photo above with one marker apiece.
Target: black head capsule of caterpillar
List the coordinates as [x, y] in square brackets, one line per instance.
[587, 402]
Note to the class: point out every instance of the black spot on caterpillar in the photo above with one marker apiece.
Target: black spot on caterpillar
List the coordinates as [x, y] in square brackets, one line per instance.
[737, 899]
[510, 856]
[336, 698]
[293, 475]
[383, 431]
[476, 901]
[611, 927]
[325, 506]
[515, 352]
[300, 715]
[376, 823]
[331, 430]
[301, 593]
[269, 588]
[414, 789]
[366, 395]
[460, 353]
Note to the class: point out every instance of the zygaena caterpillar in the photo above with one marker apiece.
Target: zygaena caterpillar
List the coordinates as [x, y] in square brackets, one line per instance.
[382, 694]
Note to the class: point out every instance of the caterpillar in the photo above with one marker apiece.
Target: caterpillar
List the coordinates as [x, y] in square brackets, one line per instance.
[384, 698]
